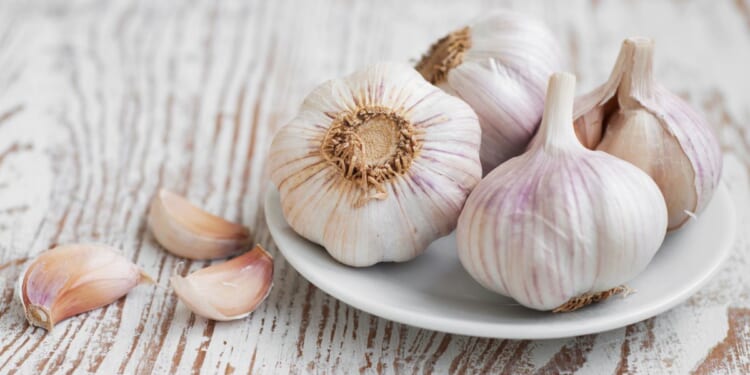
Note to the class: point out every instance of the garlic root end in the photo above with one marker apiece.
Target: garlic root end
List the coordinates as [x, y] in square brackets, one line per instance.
[586, 299]
[39, 316]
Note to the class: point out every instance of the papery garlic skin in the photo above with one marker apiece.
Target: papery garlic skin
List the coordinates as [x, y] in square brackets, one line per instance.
[72, 279]
[500, 66]
[560, 221]
[190, 232]
[229, 290]
[636, 119]
[417, 146]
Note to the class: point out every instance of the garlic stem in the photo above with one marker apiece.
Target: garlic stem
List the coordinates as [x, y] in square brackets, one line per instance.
[556, 131]
[636, 65]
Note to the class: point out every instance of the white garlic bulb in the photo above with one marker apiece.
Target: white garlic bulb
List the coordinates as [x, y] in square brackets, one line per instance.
[376, 165]
[636, 119]
[500, 66]
[560, 225]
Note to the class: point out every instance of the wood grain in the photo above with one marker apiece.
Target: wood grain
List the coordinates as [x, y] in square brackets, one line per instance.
[102, 103]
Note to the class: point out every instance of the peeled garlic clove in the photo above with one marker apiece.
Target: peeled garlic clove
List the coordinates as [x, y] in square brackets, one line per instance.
[636, 119]
[230, 290]
[189, 232]
[560, 226]
[499, 65]
[376, 165]
[72, 279]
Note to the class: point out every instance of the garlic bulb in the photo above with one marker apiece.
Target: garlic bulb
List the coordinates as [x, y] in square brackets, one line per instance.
[376, 165]
[72, 279]
[647, 125]
[189, 232]
[229, 290]
[500, 66]
[560, 225]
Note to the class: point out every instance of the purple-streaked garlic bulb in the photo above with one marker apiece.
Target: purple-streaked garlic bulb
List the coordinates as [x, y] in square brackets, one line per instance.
[376, 165]
[638, 120]
[560, 226]
[500, 65]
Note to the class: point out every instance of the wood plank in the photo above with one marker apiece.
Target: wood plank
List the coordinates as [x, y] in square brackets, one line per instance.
[103, 103]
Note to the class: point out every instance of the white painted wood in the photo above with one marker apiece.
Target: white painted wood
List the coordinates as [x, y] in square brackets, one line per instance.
[101, 103]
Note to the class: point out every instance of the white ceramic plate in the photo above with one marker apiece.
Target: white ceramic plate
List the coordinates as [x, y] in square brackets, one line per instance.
[433, 291]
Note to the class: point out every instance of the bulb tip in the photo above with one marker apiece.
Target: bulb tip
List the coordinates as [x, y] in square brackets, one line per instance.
[639, 41]
[637, 46]
[560, 94]
[563, 80]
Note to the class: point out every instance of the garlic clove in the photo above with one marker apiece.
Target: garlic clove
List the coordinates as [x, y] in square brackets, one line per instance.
[560, 226]
[638, 137]
[636, 119]
[376, 165]
[72, 279]
[189, 232]
[230, 290]
[499, 65]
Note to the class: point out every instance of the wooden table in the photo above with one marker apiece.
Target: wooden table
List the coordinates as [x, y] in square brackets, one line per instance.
[102, 103]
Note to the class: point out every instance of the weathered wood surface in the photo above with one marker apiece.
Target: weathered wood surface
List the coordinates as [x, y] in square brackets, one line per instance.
[101, 103]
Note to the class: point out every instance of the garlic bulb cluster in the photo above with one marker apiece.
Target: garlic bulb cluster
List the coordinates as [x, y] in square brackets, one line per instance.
[560, 225]
[376, 165]
[72, 279]
[190, 232]
[229, 290]
[636, 119]
[500, 66]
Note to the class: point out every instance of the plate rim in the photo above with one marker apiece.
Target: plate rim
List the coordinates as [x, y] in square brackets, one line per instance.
[495, 330]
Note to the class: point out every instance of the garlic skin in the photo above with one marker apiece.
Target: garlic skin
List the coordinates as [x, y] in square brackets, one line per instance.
[376, 165]
[560, 223]
[189, 232]
[230, 290]
[72, 279]
[500, 66]
[636, 119]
